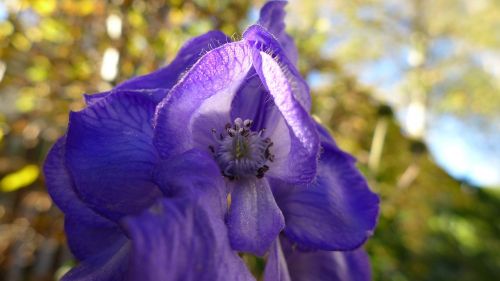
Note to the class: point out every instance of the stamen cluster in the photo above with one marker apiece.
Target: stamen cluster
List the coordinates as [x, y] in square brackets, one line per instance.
[241, 152]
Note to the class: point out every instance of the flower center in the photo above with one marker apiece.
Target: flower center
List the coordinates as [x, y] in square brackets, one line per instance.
[241, 152]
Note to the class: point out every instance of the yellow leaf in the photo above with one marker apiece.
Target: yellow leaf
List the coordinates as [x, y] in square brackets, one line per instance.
[21, 178]
[44, 7]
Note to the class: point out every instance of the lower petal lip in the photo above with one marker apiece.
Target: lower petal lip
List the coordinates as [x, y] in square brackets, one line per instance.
[254, 220]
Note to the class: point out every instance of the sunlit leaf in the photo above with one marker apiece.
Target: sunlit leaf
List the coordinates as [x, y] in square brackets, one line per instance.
[44, 7]
[19, 179]
[6, 29]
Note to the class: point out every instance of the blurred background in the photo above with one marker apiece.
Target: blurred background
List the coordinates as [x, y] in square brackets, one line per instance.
[410, 87]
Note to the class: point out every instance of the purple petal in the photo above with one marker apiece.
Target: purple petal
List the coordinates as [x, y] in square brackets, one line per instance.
[155, 95]
[87, 239]
[337, 212]
[202, 100]
[329, 266]
[111, 156]
[179, 240]
[276, 266]
[87, 232]
[262, 40]
[60, 185]
[188, 55]
[252, 101]
[193, 174]
[300, 165]
[324, 135]
[110, 265]
[92, 98]
[272, 17]
[254, 219]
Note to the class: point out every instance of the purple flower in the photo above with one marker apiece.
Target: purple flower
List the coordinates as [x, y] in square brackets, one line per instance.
[246, 103]
[168, 174]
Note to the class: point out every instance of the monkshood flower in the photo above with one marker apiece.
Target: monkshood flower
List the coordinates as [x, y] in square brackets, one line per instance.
[168, 174]
[246, 103]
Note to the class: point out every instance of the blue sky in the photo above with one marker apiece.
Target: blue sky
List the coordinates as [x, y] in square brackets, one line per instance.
[467, 149]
